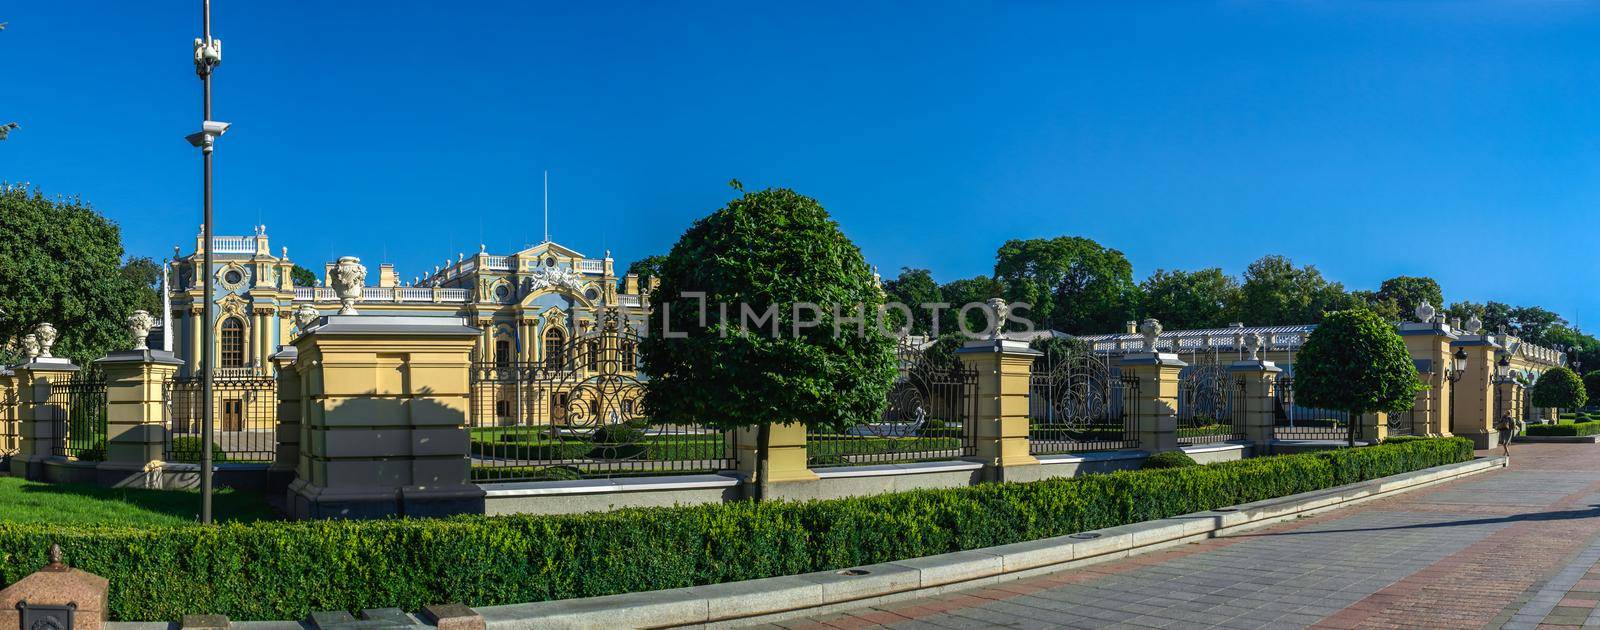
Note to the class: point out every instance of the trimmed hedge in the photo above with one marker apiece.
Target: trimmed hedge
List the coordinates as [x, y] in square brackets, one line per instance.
[1169, 459]
[1564, 429]
[285, 570]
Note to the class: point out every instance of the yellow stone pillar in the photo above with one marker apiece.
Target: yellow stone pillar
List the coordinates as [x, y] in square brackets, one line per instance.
[1429, 345]
[1257, 401]
[136, 418]
[290, 430]
[384, 405]
[1000, 428]
[10, 432]
[1473, 394]
[782, 462]
[38, 439]
[1372, 427]
[1155, 406]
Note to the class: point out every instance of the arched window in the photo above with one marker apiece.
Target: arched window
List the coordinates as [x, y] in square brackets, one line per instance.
[502, 353]
[554, 342]
[232, 343]
[591, 351]
[630, 361]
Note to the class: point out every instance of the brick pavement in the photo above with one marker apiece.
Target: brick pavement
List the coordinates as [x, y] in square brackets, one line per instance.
[1516, 548]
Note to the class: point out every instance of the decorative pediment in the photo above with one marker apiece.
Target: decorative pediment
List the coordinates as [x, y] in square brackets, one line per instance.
[550, 248]
[233, 305]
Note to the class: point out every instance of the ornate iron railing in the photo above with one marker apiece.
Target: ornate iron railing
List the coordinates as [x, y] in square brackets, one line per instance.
[930, 413]
[244, 419]
[1078, 403]
[1292, 421]
[78, 412]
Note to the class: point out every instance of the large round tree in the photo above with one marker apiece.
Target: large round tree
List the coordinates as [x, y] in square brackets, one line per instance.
[1355, 362]
[767, 251]
[1560, 388]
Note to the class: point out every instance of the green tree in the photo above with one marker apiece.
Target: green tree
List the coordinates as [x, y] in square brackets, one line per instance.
[914, 288]
[1591, 381]
[1072, 284]
[975, 290]
[1355, 362]
[1408, 292]
[1388, 309]
[145, 274]
[1559, 388]
[1182, 299]
[61, 262]
[647, 268]
[773, 248]
[302, 277]
[1275, 293]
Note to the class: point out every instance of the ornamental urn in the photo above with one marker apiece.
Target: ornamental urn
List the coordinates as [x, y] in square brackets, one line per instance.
[1425, 312]
[47, 338]
[1151, 329]
[1474, 324]
[1252, 343]
[349, 278]
[139, 325]
[1001, 311]
[305, 316]
[30, 346]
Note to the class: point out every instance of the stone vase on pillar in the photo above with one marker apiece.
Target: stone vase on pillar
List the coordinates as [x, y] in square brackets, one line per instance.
[349, 281]
[136, 430]
[39, 439]
[1259, 379]
[1155, 406]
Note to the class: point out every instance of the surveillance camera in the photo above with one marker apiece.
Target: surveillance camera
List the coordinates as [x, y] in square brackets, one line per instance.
[215, 128]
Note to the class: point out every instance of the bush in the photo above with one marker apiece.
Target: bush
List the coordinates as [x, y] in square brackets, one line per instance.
[285, 570]
[1402, 439]
[630, 432]
[1565, 429]
[1169, 459]
[1559, 388]
[187, 449]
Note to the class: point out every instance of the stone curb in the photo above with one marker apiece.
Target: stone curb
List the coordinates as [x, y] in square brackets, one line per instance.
[768, 599]
[1556, 439]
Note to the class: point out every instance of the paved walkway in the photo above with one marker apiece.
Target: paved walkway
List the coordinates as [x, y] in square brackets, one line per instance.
[1516, 548]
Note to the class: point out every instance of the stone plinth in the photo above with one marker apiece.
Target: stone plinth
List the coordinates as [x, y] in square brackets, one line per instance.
[136, 433]
[56, 586]
[782, 463]
[1155, 408]
[37, 417]
[1259, 396]
[384, 412]
[1000, 427]
[289, 428]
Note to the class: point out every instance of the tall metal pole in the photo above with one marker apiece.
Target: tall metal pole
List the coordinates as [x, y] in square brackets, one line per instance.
[203, 67]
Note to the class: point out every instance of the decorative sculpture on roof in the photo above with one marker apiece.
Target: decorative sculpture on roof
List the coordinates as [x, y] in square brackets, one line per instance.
[1151, 329]
[1001, 310]
[349, 278]
[30, 346]
[47, 338]
[139, 325]
[555, 277]
[1252, 343]
[1425, 312]
[305, 316]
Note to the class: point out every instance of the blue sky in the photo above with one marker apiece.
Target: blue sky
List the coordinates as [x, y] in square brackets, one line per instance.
[1459, 140]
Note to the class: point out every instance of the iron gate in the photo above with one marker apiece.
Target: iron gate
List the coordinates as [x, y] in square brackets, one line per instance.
[1209, 408]
[10, 421]
[1077, 402]
[932, 405]
[577, 413]
[244, 419]
[1292, 421]
[78, 409]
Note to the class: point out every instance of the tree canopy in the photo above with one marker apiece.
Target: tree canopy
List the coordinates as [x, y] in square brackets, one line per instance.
[302, 277]
[914, 288]
[61, 262]
[1183, 299]
[968, 291]
[647, 268]
[773, 248]
[1073, 284]
[1275, 292]
[1559, 388]
[1355, 362]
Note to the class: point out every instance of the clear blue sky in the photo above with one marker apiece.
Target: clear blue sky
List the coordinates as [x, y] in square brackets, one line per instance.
[1459, 140]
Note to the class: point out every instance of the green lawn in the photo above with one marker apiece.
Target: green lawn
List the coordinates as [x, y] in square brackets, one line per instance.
[72, 504]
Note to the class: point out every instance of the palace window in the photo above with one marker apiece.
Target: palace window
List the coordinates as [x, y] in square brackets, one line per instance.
[630, 360]
[232, 343]
[502, 353]
[553, 342]
[502, 408]
[591, 349]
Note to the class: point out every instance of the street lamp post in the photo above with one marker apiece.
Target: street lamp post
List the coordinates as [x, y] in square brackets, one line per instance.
[1502, 376]
[1458, 368]
[207, 54]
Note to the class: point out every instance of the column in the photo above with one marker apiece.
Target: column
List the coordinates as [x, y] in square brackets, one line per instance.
[1372, 428]
[1258, 398]
[196, 321]
[385, 407]
[1155, 408]
[1001, 426]
[1473, 405]
[39, 439]
[136, 417]
[779, 470]
[287, 458]
[1429, 345]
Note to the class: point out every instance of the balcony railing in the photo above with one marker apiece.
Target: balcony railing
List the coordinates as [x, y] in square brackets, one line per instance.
[383, 294]
[233, 244]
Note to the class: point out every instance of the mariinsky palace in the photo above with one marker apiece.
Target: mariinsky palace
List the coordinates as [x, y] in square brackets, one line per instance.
[526, 303]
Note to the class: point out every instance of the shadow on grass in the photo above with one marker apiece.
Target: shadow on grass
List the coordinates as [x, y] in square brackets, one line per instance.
[89, 504]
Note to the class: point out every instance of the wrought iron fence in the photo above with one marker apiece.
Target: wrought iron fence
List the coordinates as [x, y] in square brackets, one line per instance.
[931, 409]
[78, 412]
[1403, 423]
[244, 419]
[1292, 421]
[1077, 403]
[10, 420]
[578, 414]
[1209, 408]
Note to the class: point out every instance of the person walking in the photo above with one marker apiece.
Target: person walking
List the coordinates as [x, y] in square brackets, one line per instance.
[1508, 427]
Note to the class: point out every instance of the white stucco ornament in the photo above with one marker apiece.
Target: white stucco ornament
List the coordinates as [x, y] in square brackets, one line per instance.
[30, 346]
[139, 325]
[1151, 329]
[1001, 311]
[555, 277]
[1425, 312]
[1252, 343]
[349, 278]
[305, 316]
[47, 338]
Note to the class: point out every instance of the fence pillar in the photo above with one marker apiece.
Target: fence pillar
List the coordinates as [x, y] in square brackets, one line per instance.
[1155, 408]
[783, 464]
[39, 438]
[136, 431]
[1429, 344]
[384, 407]
[10, 432]
[1372, 427]
[1000, 427]
[1259, 401]
[1473, 394]
[286, 458]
